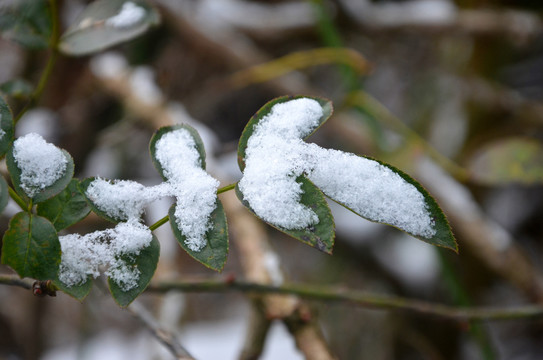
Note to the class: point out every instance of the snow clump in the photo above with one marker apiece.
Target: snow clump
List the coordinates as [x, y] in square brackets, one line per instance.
[41, 163]
[276, 156]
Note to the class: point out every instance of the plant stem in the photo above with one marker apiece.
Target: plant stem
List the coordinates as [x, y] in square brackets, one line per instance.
[226, 188]
[15, 281]
[17, 199]
[46, 74]
[166, 218]
[359, 298]
[159, 223]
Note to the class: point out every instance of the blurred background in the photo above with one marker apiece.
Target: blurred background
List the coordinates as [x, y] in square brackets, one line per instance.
[448, 91]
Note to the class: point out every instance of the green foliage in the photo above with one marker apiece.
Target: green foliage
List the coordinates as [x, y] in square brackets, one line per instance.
[78, 292]
[510, 160]
[214, 253]
[27, 22]
[31, 247]
[443, 236]
[146, 262]
[17, 88]
[6, 125]
[4, 194]
[47, 192]
[67, 208]
[91, 31]
[320, 236]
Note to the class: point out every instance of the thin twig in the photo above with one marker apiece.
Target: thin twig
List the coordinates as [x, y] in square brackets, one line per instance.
[359, 298]
[162, 335]
[51, 61]
[166, 218]
[17, 199]
[15, 281]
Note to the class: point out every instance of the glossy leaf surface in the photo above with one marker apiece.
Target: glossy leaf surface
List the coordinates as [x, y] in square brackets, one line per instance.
[146, 262]
[31, 247]
[105, 23]
[67, 208]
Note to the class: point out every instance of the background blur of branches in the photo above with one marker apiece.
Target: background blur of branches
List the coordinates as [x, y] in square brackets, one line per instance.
[450, 92]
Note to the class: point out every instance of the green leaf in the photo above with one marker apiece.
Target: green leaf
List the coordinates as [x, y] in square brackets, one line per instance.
[146, 262]
[443, 236]
[512, 160]
[265, 110]
[213, 255]
[166, 129]
[78, 292]
[321, 235]
[27, 22]
[31, 247]
[325, 170]
[6, 125]
[17, 88]
[98, 26]
[67, 208]
[47, 192]
[4, 193]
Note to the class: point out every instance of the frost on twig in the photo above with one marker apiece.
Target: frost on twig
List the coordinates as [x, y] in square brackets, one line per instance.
[276, 156]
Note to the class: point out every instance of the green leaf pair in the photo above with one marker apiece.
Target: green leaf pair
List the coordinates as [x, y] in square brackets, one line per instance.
[391, 203]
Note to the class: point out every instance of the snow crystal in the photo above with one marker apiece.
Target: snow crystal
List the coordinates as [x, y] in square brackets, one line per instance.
[41, 163]
[195, 190]
[276, 155]
[84, 255]
[123, 199]
[275, 158]
[130, 15]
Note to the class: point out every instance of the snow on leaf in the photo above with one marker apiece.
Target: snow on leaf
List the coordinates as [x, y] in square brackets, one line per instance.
[195, 190]
[273, 155]
[84, 255]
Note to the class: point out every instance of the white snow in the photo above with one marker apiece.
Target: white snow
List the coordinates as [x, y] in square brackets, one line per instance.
[130, 15]
[41, 163]
[123, 199]
[84, 255]
[276, 155]
[194, 189]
